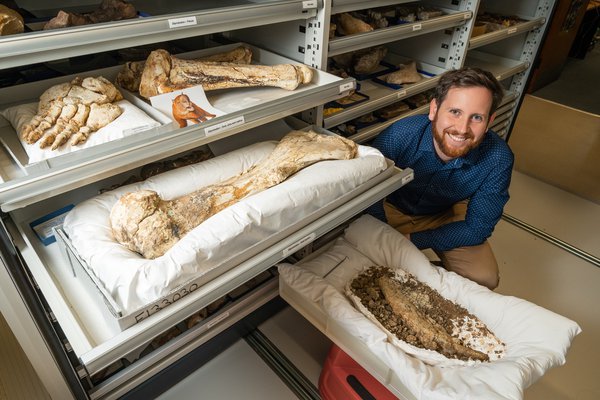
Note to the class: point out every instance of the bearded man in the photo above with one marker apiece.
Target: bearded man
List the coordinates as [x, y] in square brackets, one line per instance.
[462, 172]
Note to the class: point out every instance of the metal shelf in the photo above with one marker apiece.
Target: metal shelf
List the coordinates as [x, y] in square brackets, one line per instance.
[340, 6]
[505, 33]
[77, 169]
[359, 41]
[502, 68]
[34, 47]
[372, 131]
[381, 96]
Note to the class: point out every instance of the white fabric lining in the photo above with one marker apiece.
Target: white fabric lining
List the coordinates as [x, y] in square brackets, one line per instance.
[134, 281]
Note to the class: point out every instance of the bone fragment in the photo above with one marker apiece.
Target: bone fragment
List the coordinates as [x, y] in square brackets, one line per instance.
[149, 225]
[99, 116]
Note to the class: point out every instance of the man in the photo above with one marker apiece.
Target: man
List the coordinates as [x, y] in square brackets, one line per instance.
[462, 172]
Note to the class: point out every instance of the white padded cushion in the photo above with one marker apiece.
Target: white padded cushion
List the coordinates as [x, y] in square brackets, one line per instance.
[537, 339]
[131, 121]
[134, 281]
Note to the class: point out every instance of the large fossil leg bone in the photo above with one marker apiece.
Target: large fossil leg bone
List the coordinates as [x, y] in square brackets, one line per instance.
[131, 74]
[149, 225]
[164, 73]
[433, 336]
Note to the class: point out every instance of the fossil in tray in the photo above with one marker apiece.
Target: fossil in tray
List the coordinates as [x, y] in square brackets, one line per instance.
[406, 73]
[164, 73]
[73, 110]
[417, 314]
[150, 226]
[130, 75]
[109, 10]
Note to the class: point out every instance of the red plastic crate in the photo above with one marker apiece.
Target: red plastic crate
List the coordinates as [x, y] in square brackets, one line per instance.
[342, 378]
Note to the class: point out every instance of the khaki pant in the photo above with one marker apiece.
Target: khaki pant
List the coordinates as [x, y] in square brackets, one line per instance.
[473, 262]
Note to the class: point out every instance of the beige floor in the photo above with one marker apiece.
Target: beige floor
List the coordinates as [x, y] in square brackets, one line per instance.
[538, 271]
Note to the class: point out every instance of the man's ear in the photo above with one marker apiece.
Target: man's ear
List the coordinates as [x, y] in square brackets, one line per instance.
[432, 109]
[492, 118]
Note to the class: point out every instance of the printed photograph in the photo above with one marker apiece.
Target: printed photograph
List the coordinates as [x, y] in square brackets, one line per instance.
[186, 107]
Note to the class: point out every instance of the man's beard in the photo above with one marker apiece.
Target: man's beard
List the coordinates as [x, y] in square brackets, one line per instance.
[450, 151]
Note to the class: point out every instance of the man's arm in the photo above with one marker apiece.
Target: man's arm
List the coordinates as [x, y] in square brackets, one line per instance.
[483, 212]
[387, 142]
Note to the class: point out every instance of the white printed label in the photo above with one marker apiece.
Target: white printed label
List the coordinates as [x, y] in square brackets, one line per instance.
[401, 93]
[137, 129]
[224, 126]
[44, 230]
[346, 86]
[511, 30]
[309, 4]
[299, 244]
[184, 21]
[417, 27]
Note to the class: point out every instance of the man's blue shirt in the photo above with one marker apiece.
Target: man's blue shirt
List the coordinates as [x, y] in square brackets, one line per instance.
[482, 176]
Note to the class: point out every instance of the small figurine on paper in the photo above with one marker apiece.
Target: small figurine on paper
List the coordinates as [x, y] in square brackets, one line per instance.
[185, 110]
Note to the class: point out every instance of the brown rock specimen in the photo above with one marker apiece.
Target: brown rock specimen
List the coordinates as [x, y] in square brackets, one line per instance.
[407, 73]
[10, 21]
[149, 225]
[349, 25]
[164, 73]
[367, 61]
[109, 10]
[431, 334]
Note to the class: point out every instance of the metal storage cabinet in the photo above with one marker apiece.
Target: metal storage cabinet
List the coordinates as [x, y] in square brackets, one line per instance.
[58, 344]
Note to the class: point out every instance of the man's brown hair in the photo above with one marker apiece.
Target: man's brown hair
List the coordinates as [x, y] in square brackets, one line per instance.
[469, 77]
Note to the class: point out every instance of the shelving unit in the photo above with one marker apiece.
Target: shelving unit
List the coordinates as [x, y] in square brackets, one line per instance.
[69, 357]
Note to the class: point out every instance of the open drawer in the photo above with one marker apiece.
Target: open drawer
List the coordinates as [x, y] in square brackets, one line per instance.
[97, 335]
[316, 288]
[245, 108]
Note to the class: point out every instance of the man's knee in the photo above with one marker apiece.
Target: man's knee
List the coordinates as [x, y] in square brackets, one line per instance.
[476, 263]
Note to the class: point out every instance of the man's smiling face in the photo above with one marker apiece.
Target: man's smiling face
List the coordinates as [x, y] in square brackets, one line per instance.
[460, 121]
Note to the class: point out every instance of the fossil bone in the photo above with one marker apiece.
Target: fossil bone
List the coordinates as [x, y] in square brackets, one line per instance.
[433, 336]
[131, 74]
[164, 73]
[149, 225]
[79, 107]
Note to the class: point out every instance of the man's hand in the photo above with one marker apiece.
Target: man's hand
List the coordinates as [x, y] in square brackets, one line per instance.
[407, 235]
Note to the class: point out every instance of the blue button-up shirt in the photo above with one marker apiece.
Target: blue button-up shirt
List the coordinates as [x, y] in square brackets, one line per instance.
[482, 176]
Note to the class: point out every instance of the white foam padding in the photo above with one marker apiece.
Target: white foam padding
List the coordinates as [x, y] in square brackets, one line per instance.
[134, 281]
[537, 339]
